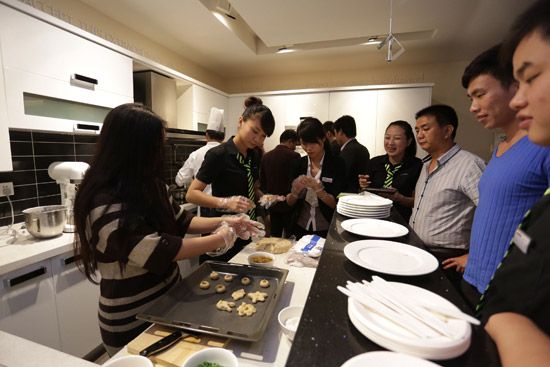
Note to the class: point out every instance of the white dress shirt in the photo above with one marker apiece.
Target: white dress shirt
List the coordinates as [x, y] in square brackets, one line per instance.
[192, 165]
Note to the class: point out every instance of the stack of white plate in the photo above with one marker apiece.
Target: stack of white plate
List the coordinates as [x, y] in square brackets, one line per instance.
[366, 205]
[391, 336]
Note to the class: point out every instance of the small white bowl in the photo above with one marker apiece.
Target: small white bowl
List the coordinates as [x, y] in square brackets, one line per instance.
[213, 355]
[129, 361]
[261, 254]
[289, 318]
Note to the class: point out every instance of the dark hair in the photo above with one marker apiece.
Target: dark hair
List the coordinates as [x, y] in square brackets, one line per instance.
[346, 124]
[444, 115]
[311, 130]
[216, 135]
[287, 135]
[410, 151]
[535, 18]
[488, 62]
[328, 126]
[127, 168]
[256, 109]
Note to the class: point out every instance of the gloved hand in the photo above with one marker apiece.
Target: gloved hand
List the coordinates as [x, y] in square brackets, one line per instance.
[245, 228]
[237, 204]
[298, 185]
[229, 238]
[268, 200]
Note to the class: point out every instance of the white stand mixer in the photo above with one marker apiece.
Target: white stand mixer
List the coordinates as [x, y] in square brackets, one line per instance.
[68, 175]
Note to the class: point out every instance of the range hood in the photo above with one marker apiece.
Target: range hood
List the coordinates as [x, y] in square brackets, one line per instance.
[158, 92]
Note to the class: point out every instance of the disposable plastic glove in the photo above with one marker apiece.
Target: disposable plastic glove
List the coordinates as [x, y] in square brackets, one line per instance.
[229, 238]
[268, 200]
[237, 204]
[245, 228]
[298, 185]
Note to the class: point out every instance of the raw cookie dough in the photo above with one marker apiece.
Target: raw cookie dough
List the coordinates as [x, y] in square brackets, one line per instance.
[237, 295]
[246, 309]
[257, 296]
[204, 285]
[228, 278]
[245, 281]
[225, 306]
[214, 275]
[264, 283]
[220, 288]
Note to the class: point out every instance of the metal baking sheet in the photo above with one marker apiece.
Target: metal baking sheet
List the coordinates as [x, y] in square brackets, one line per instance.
[188, 307]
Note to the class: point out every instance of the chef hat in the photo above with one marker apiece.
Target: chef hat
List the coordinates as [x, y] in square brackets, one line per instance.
[215, 120]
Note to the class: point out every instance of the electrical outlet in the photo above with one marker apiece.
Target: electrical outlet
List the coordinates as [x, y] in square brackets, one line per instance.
[6, 189]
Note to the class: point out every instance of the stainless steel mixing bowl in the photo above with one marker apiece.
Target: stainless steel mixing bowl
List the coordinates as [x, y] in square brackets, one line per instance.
[45, 221]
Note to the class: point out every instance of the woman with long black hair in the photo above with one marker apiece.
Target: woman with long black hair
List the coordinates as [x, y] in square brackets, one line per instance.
[128, 227]
[318, 179]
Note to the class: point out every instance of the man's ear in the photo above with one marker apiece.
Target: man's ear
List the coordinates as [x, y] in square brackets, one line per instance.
[449, 131]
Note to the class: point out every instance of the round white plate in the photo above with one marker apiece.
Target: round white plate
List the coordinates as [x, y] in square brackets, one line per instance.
[369, 200]
[390, 257]
[365, 210]
[393, 337]
[374, 228]
[352, 215]
[387, 359]
[364, 214]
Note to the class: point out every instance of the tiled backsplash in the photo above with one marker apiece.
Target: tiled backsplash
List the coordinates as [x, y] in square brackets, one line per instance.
[33, 151]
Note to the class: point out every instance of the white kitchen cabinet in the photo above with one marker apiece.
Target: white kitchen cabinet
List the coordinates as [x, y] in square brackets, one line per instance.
[5, 149]
[76, 301]
[302, 105]
[203, 100]
[54, 78]
[27, 304]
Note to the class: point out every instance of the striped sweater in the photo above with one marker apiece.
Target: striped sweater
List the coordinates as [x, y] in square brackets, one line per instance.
[149, 271]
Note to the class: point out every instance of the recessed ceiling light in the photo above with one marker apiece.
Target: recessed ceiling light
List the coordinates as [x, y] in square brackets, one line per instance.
[285, 50]
[372, 41]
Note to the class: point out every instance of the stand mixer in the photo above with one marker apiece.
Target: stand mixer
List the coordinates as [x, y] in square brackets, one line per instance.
[68, 175]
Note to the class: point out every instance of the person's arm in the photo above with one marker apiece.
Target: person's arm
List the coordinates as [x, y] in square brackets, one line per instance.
[458, 262]
[325, 197]
[185, 174]
[195, 246]
[196, 195]
[407, 201]
[519, 341]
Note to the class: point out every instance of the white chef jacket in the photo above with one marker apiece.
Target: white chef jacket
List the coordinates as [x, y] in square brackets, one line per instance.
[192, 165]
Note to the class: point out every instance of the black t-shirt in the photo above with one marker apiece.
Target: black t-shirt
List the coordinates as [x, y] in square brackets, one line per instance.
[521, 283]
[225, 173]
[404, 179]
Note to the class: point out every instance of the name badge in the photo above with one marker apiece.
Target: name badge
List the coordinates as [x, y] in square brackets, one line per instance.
[522, 240]
[326, 179]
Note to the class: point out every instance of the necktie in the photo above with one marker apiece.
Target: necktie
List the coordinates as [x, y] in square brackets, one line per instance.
[246, 163]
[389, 174]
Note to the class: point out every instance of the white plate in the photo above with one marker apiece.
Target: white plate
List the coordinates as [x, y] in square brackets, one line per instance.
[393, 337]
[390, 257]
[351, 215]
[365, 210]
[365, 214]
[374, 228]
[387, 359]
[369, 200]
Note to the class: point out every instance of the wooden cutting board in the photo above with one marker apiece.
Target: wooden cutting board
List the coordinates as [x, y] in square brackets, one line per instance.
[179, 352]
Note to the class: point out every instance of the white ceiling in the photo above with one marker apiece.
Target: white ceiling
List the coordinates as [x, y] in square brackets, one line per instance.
[463, 28]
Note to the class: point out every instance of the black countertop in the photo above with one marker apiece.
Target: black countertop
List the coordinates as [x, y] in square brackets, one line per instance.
[326, 336]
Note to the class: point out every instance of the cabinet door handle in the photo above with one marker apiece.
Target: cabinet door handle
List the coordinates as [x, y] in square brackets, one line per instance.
[70, 259]
[83, 79]
[25, 277]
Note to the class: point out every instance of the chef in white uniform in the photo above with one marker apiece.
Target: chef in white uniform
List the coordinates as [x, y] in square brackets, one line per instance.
[215, 133]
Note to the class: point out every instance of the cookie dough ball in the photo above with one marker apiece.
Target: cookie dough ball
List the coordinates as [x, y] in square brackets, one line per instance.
[228, 278]
[245, 281]
[204, 285]
[220, 288]
[264, 283]
[214, 275]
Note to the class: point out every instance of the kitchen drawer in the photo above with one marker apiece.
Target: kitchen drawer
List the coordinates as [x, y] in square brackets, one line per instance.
[42, 49]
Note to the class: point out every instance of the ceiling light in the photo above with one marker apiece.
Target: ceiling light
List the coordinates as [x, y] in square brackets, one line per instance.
[285, 50]
[221, 17]
[372, 41]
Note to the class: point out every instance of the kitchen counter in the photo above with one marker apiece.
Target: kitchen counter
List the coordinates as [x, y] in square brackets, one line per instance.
[325, 325]
[28, 250]
[16, 351]
[273, 348]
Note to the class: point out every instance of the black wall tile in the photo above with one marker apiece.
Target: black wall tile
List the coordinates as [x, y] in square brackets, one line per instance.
[86, 138]
[18, 135]
[85, 149]
[50, 200]
[18, 207]
[44, 162]
[47, 189]
[54, 149]
[7, 220]
[19, 148]
[21, 193]
[43, 177]
[18, 177]
[39, 136]
[22, 163]
[84, 158]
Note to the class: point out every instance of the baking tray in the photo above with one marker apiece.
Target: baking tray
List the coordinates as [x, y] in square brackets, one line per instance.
[188, 307]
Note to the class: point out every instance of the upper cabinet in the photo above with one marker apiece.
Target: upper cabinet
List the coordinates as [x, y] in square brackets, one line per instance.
[55, 80]
[5, 150]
